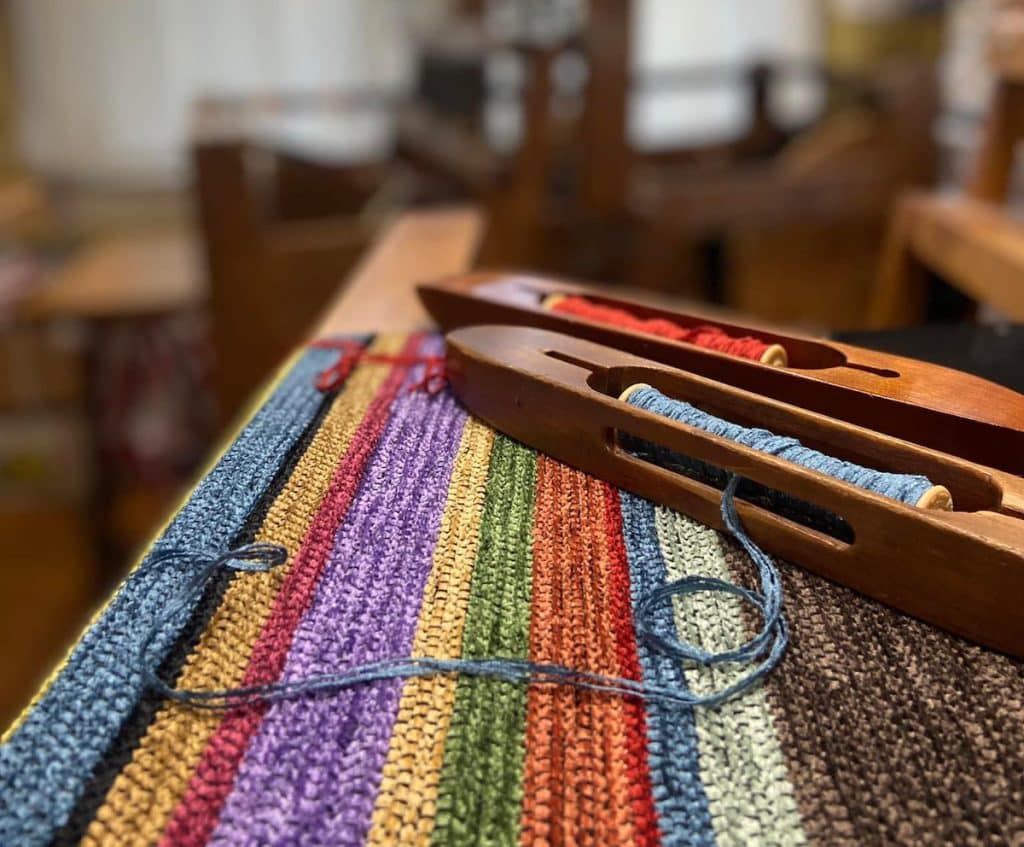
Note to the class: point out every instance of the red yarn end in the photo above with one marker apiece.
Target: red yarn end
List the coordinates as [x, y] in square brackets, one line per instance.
[333, 377]
[435, 376]
[351, 353]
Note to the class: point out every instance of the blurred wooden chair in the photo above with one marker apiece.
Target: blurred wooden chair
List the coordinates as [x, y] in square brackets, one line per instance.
[799, 229]
[646, 215]
[280, 230]
[970, 240]
[607, 163]
[282, 224]
[443, 136]
[558, 202]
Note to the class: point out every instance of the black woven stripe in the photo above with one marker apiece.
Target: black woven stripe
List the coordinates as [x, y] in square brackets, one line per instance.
[134, 729]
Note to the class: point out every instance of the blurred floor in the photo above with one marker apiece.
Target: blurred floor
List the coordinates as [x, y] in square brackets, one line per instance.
[105, 409]
[46, 594]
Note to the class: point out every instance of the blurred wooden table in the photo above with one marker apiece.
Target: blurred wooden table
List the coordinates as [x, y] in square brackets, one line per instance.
[113, 281]
[124, 277]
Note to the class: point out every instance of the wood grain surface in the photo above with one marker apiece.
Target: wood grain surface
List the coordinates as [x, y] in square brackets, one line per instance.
[419, 246]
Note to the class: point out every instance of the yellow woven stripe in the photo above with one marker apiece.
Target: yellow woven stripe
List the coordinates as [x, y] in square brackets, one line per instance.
[215, 456]
[406, 802]
[148, 789]
[749, 793]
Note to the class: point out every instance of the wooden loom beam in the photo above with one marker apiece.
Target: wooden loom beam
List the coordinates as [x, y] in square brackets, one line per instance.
[416, 247]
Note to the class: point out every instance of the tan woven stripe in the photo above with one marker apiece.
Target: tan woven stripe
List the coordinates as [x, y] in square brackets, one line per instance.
[750, 797]
[407, 800]
[148, 789]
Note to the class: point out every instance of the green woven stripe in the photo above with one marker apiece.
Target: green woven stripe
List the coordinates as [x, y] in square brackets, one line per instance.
[749, 793]
[481, 778]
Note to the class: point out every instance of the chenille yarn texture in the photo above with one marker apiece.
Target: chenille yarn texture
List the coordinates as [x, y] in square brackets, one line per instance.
[413, 529]
[705, 335]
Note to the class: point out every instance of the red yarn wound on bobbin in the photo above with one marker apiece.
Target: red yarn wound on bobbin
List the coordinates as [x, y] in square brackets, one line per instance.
[352, 353]
[707, 335]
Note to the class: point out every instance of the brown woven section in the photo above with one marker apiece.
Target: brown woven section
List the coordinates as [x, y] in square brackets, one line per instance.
[895, 732]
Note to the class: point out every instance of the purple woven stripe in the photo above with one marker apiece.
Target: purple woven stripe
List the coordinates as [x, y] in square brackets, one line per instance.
[312, 773]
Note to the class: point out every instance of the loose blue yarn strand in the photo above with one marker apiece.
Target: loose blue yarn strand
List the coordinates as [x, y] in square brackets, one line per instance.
[771, 639]
[766, 647]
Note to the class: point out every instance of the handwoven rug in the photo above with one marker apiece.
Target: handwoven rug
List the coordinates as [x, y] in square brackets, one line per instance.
[415, 530]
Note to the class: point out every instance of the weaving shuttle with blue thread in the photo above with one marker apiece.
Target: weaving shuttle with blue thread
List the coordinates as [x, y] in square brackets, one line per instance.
[561, 395]
[912, 489]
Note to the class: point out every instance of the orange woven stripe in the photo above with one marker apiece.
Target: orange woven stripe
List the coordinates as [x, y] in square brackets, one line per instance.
[577, 787]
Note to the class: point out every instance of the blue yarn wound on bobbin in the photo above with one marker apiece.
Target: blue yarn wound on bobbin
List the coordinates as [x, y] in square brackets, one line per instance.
[906, 488]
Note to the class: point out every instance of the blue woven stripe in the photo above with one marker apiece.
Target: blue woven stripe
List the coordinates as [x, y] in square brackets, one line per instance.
[673, 757]
[45, 764]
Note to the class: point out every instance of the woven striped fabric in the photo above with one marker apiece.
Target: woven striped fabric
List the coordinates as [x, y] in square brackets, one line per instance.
[415, 530]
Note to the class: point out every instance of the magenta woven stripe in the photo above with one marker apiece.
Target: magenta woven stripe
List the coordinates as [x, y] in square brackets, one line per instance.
[312, 773]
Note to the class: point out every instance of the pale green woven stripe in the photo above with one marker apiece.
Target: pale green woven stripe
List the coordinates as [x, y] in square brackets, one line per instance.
[749, 793]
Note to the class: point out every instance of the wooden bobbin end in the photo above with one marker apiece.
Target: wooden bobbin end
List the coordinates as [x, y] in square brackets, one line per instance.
[627, 393]
[552, 300]
[937, 497]
[775, 356]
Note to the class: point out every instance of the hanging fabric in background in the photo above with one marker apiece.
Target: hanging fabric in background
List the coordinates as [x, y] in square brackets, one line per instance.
[154, 399]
